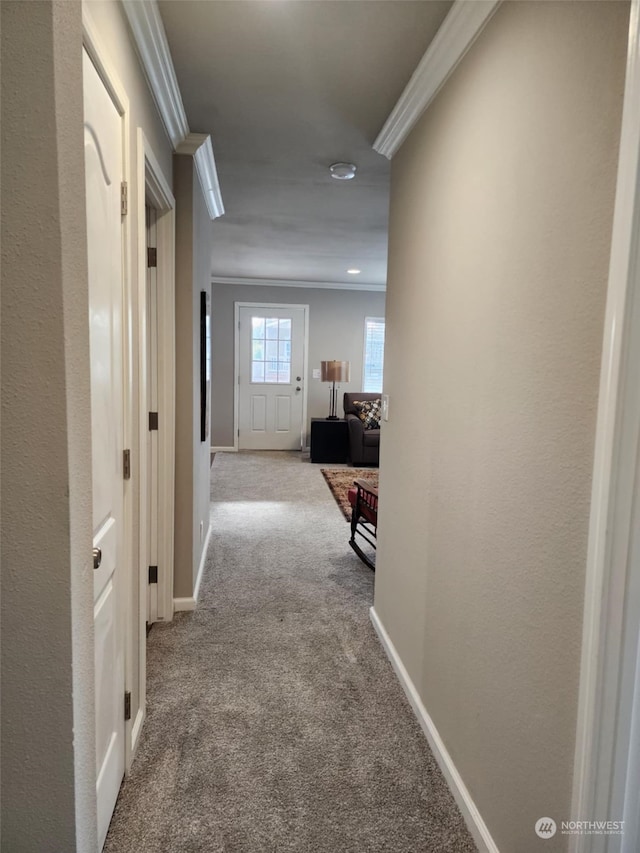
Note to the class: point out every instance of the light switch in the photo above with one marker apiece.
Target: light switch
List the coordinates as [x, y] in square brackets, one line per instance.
[385, 407]
[316, 373]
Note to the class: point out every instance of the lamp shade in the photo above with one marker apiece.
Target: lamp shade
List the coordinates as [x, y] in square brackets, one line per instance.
[335, 371]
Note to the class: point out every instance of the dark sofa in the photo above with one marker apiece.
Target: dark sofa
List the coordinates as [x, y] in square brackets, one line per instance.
[364, 444]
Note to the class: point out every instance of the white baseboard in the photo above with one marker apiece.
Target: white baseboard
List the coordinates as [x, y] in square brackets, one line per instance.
[136, 731]
[203, 560]
[470, 813]
[224, 449]
[182, 604]
[185, 604]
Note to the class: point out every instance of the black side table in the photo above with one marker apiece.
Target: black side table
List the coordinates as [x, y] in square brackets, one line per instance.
[329, 440]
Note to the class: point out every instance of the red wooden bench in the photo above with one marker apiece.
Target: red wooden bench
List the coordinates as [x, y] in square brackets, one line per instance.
[363, 498]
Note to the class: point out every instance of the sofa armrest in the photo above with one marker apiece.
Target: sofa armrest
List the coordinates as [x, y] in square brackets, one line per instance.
[355, 427]
[356, 437]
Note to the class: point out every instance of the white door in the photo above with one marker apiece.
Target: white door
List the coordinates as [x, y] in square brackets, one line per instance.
[103, 167]
[271, 373]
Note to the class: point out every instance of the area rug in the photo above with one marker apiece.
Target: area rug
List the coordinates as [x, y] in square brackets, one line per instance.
[340, 481]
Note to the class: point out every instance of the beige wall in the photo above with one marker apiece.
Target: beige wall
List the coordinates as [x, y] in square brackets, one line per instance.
[193, 274]
[48, 741]
[336, 331]
[501, 215]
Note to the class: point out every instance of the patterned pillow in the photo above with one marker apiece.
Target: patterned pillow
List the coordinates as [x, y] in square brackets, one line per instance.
[369, 412]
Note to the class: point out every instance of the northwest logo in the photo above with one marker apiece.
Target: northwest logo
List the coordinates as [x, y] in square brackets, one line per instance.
[546, 827]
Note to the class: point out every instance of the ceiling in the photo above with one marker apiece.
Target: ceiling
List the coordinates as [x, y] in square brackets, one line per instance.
[285, 88]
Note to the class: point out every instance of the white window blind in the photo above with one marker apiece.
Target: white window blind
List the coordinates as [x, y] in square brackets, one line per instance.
[373, 354]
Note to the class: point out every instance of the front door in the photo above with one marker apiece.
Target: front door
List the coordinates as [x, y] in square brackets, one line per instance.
[271, 377]
[103, 172]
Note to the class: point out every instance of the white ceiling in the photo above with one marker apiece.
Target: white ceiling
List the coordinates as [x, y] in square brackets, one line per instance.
[285, 88]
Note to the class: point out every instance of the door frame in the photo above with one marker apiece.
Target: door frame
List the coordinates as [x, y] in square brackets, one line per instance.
[236, 364]
[111, 80]
[152, 187]
[609, 698]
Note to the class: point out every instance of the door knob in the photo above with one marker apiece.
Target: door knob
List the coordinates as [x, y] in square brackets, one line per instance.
[298, 388]
[97, 558]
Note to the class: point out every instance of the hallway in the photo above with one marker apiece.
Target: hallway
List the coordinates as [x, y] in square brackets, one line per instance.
[274, 720]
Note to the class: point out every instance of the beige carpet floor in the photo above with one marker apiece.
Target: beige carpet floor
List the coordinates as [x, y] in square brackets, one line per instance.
[275, 723]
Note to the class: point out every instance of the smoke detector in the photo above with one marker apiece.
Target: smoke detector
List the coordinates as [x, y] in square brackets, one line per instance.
[343, 171]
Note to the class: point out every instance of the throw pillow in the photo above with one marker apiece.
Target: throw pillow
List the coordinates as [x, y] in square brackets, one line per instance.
[369, 412]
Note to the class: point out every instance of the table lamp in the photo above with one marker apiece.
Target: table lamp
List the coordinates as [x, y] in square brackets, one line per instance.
[334, 371]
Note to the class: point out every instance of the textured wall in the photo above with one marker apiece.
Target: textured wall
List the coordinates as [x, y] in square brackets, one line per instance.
[48, 751]
[183, 169]
[501, 214]
[336, 331]
[193, 274]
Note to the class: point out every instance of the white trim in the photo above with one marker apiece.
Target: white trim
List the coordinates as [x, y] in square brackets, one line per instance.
[208, 175]
[224, 449]
[151, 41]
[611, 610]
[136, 730]
[460, 29]
[287, 282]
[152, 183]
[199, 146]
[236, 365]
[468, 808]
[184, 605]
[203, 560]
[157, 185]
[111, 80]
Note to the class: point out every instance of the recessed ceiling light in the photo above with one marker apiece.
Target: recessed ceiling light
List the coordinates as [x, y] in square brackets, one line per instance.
[343, 171]
[354, 271]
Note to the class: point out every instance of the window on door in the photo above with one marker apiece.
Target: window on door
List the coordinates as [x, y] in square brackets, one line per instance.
[373, 354]
[271, 350]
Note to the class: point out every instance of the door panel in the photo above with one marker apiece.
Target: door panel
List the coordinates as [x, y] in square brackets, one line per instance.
[271, 365]
[283, 414]
[103, 172]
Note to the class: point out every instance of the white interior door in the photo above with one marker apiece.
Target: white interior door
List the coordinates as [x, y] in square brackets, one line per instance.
[103, 167]
[272, 359]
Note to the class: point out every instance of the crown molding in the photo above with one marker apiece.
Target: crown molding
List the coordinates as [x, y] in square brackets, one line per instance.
[153, 48]
[287, 282]
[199, 146]
[459, 30]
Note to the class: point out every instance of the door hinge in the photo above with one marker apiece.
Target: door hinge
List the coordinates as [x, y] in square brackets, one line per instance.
[152, 257]
[153, 421]
[153, 574]
[123, 198]
[127, 705]
[238, 432]
[126, 464]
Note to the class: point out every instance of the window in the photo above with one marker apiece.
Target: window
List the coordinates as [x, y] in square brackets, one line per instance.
[271, 350]
[373, 354]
